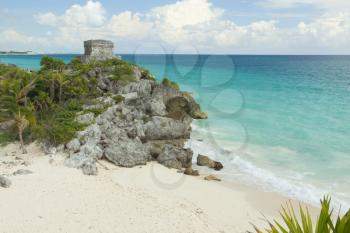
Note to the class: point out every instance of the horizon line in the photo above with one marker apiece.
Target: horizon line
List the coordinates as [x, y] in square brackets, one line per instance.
[190, 54]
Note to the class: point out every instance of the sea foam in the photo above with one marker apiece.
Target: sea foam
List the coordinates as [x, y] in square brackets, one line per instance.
[292, 184]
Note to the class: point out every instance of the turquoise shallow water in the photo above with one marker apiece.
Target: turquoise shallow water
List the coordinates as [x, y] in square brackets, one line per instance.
[280, 122]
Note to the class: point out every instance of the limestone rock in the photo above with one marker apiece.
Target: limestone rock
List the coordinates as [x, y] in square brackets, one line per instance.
[203, 160]
[137, 73]
[127, 152]
[73, 145]
[152, 122]
[22, 172]
[91, 151]
[89, 169]
[212, 177]
[142, 88]
[166, 128]
[91, 135]
[175, 157]
[156, 107]
[5, 182]
[80, 161]
[191, 172]
[178, 102]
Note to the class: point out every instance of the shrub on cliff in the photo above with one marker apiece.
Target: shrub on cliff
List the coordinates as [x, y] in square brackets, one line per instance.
[170, 83]
[50, 63]
[57, 125]
[146, 74]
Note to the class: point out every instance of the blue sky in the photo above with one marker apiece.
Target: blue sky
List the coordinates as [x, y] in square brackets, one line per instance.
[184, 26]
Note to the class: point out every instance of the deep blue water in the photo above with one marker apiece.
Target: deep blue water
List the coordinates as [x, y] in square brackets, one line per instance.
[281, 122]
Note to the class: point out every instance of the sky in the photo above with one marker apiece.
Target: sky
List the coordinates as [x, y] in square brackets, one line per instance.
[182, 26]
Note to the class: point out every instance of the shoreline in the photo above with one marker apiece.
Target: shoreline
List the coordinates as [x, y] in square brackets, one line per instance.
[140, 199]
[248, 173]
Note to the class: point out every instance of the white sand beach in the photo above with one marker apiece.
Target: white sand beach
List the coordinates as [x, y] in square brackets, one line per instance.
[150, 198]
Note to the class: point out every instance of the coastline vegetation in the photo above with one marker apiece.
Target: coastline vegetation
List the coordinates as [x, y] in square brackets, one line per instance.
[43, 105]
[303, 224]
[167, 82]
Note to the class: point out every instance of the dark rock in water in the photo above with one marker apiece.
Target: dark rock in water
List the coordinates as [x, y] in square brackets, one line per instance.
[5, 182]
[203, 160]
[175, 157]
[22, 172]
[191, 172]
[218, 166]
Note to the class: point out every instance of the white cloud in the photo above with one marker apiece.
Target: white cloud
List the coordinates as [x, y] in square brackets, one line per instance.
[324, 4]
[127, 24]
[196, 23]
[11, 39]
[47, 19]
[90, 15]
[328, 29]
[15, 37]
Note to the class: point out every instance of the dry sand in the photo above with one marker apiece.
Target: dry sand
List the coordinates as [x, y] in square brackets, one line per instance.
[147, 199]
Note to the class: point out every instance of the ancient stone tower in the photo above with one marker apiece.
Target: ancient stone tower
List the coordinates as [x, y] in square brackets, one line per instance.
[97, 50]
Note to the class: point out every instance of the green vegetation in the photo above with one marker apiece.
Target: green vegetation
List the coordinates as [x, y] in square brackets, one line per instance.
[170, 83]
[118, 99]
[146, 74]
[43, 105]
[57, 124]
[96, 111]
[324, 224]
[122, 71]
[50, 63]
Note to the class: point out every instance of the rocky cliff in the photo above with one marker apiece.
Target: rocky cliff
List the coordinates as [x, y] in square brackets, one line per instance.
[143, 120]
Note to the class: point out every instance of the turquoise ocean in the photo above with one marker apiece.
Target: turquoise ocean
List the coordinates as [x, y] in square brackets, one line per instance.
[281, 123]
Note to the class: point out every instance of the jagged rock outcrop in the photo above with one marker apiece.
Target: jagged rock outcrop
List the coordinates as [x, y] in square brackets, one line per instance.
[148, 121]
[133, 132]
[175, 157]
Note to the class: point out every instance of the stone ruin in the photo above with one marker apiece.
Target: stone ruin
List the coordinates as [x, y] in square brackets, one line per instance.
[97, 50]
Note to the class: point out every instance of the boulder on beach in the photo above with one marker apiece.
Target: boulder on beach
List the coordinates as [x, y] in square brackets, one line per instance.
[191, 172]
[212, 177]
[22, 172]
[203, 160]
[5, 182]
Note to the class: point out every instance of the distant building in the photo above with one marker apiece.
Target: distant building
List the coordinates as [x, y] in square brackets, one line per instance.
[97, 50]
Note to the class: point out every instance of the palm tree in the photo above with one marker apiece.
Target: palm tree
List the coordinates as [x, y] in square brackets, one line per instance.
[21, 123]
[14, 104]
[61, 81]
